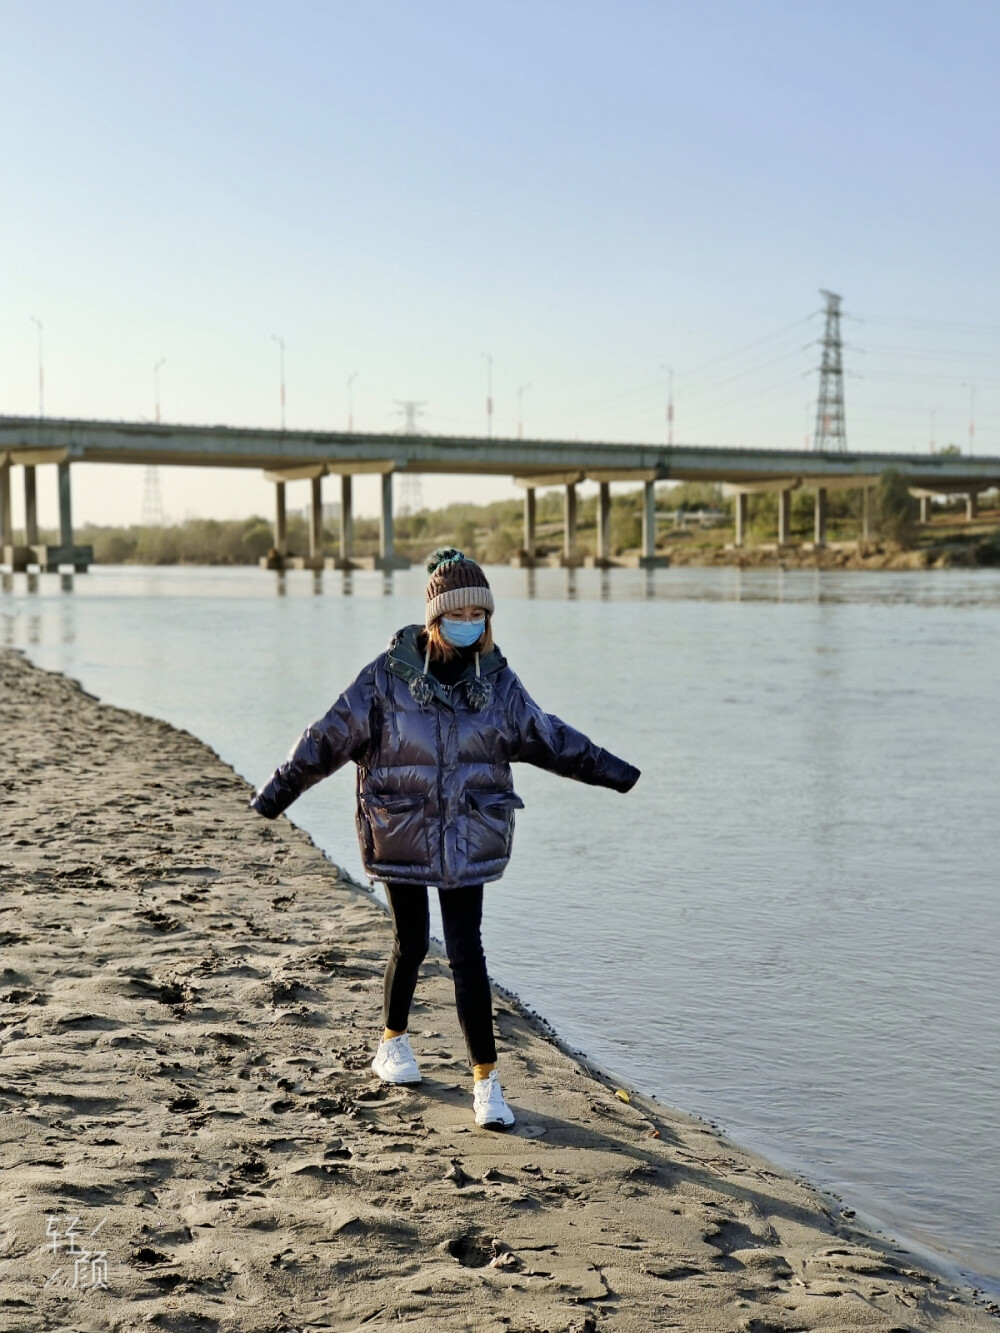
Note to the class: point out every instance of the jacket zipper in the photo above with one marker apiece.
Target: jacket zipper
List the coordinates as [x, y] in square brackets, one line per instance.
[440, 787]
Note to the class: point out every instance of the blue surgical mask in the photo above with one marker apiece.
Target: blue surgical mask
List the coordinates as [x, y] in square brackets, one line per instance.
[462, 633]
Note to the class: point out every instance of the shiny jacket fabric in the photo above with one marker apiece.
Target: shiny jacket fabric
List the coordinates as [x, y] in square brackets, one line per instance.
[436, 800]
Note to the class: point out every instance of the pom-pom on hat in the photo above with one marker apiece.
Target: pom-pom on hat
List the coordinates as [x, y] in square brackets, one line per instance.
[455, 582]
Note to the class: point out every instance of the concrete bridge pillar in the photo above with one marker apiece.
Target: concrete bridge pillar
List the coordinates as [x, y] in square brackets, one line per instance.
[742, 509]
[316, 519]
[649, 520]
[569, 523]
[30, 506]
[866, 513]
[604, 523]
[280, 519]
[6, 518]
[820, 527]
[925, 509]
[18, 557]
[529, 522]
[784, 517]
[51, 558]
[971, 505]
[385, 530]
[65, 508]
[346, 518]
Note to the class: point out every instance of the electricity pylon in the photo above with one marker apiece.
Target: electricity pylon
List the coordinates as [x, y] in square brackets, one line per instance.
[152, 501]
[411, 494]
[409, 410]
[831, 429]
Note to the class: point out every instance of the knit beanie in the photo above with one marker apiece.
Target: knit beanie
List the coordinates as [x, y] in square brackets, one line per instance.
[455, 582]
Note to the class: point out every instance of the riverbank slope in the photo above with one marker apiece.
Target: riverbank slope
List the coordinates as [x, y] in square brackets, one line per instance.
[192, 1139]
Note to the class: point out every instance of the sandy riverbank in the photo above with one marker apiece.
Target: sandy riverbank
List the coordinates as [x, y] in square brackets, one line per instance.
[978, 552]
[189, 998]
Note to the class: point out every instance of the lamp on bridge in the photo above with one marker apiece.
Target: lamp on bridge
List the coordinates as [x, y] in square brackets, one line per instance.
[41, 369]
[281, 348]
[489, 393]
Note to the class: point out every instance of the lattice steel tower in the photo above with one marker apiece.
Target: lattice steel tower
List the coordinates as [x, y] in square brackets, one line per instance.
[411, 493]
[152, 501]
[831, 430]
[410, 411]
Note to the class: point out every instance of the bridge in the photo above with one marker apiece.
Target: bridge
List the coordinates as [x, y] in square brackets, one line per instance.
[289, 456]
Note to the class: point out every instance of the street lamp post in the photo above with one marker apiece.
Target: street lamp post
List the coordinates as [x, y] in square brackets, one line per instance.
[520, 409]
[489, 393]
[350, 401]
[156, 385]
[670, 403]
[41, 370]
[972, 413]
[281, 348]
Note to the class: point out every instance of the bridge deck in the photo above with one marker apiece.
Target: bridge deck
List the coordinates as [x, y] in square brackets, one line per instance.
[28, 440]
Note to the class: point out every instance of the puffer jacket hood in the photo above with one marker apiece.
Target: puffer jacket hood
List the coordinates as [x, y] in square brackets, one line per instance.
[405, 660]
[435, 795]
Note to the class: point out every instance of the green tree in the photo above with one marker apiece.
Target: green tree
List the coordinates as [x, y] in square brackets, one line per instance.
[894, 510]
[465, 537]
[500, 545]
[693, 495]
[257, 539]
[112, 546]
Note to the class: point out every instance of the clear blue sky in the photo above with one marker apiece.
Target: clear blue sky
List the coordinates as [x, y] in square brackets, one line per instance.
[588, 191]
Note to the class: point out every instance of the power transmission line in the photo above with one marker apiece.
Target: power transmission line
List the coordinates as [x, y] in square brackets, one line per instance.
[940, 354]
[747, 347]
[713, 386]
[959, 326]
[654, 387]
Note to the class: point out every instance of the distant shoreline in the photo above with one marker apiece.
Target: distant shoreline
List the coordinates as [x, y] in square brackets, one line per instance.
[971, 553]
[977, 551]
[700, 534]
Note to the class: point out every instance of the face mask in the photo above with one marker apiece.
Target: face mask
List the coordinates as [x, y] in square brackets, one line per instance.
[462, 633]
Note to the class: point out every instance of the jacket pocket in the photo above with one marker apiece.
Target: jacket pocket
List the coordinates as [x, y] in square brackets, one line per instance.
[397, 829]
[491, 823]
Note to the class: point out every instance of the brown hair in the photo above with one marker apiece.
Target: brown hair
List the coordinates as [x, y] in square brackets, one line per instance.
[442, 650]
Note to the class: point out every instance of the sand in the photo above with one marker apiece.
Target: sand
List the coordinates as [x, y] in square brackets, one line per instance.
[192, 1138]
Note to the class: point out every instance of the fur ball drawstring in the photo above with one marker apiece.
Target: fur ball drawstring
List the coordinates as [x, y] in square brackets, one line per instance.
[478, 691]
[420, 686]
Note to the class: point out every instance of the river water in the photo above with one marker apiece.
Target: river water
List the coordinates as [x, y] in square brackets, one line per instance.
[788, 926]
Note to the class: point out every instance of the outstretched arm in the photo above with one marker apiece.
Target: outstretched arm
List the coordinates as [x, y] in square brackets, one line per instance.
[547, 742]
[342, 734]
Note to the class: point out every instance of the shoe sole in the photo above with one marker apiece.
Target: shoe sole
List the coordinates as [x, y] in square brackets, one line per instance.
[496, 1125]
[399, 1082]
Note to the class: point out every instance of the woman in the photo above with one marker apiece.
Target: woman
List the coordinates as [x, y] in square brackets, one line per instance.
[433, 725]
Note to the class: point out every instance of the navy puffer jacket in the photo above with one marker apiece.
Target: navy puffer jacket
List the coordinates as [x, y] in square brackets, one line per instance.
[436, 800]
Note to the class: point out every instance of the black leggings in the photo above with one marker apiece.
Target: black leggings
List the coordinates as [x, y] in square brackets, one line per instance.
[461, 914]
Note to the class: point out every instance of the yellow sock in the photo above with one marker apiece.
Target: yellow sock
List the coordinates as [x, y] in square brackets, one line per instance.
[482, 1071]
[388, 1034]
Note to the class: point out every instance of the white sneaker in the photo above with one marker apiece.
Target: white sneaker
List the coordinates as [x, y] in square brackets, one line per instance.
[492, 1112]
[395, 1062]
